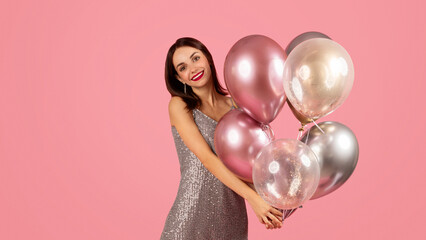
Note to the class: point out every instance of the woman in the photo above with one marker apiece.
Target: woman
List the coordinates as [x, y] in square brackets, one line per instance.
[210, 199]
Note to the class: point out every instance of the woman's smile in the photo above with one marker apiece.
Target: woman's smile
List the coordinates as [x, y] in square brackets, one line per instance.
[198, 76]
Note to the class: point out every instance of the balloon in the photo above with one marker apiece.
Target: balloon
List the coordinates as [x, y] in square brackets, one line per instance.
[337, 151]
[286, 173]
[301, 38]
[318, 77]
[238, 139]
[296, 41]
[289, 212]
[253, 70]
[302, 119]
[286, 213]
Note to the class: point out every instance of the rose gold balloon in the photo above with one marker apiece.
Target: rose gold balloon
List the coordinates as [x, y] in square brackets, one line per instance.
[318, 77]
[238, 139]
[301, 38]
[286, 173]
[253, 70]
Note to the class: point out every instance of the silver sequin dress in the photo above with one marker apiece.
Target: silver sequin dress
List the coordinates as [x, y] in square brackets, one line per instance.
[204, 207]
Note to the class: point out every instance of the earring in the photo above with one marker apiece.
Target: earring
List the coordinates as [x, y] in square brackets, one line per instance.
[184, 88]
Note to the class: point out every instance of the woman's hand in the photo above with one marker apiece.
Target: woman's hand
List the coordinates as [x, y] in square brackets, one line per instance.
[268, 215]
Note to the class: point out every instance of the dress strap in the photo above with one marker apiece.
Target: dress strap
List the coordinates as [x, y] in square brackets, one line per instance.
[233, 103]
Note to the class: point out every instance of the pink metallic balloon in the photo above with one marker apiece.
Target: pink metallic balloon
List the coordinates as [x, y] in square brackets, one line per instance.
[286, 173]
[238, 138]
[254, 71]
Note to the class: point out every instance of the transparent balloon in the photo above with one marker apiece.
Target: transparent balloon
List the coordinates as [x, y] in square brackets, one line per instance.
[318, 77]
[286, 173]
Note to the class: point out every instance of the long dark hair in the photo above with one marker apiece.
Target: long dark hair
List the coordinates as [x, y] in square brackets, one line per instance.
[175, 87]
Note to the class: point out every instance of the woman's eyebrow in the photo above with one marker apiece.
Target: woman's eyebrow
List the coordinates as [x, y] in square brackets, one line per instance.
[177, 66]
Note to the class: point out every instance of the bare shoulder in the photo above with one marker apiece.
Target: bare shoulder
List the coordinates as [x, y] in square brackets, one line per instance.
[177, 110]
[184, 123]
[176, 102]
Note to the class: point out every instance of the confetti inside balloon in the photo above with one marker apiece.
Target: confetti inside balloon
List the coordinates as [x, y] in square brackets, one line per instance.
[286, 173]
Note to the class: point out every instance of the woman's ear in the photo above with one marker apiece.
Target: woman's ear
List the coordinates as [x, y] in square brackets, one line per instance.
[178, 78]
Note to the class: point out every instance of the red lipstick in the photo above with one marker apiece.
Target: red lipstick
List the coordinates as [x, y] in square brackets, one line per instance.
[198, 76]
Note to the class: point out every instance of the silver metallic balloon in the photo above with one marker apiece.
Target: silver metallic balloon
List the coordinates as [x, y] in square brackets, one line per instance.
[337, 151]
[318, 77]
[286, 173]
[238, 138]
[253, 71]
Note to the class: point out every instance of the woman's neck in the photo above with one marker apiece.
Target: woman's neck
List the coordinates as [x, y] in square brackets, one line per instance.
[208, 95]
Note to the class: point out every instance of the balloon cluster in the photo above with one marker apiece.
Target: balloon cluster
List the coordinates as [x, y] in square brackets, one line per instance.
[314, 75]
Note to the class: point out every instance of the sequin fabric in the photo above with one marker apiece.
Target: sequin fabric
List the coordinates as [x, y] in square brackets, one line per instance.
[204, 207]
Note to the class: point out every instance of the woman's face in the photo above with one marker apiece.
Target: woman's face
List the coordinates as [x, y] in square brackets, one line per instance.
[192, 66]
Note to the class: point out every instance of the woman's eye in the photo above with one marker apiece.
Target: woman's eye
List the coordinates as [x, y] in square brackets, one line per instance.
[196, 58]
[181, 69]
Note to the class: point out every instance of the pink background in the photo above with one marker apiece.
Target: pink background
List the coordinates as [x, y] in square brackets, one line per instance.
[86, 150]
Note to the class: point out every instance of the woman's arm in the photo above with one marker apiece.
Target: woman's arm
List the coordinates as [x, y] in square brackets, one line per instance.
[191, 136]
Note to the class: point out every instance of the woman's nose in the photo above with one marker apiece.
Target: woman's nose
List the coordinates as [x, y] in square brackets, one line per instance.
[193, 69]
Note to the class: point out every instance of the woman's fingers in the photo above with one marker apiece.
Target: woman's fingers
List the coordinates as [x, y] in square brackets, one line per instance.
[277, 212]
[277, 223]
[267, 222]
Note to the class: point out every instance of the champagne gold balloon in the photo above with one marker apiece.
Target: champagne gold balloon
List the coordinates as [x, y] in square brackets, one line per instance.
[293, 43]
[318, 77]
[302, 119]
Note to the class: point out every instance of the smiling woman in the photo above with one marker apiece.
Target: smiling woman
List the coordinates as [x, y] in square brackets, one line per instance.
[175, 71]
[195, 68]
[198, 76]
[210, 200]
